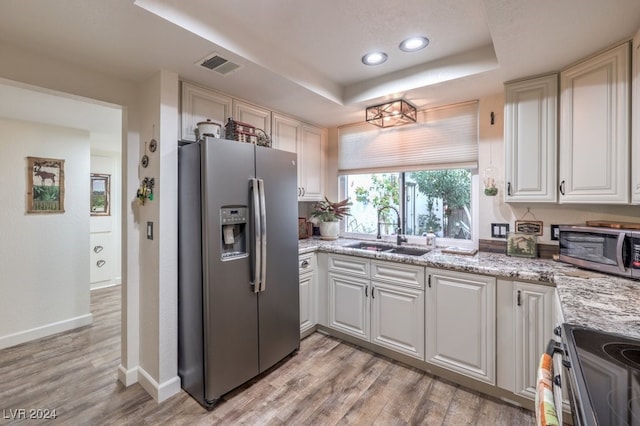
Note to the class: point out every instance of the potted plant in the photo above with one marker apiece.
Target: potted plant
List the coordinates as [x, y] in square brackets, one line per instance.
[329, 215]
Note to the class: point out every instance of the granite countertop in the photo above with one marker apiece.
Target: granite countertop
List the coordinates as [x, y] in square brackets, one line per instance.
[600, 301]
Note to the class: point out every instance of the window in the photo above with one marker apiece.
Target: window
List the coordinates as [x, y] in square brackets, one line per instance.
[427, 172]
[438, 200]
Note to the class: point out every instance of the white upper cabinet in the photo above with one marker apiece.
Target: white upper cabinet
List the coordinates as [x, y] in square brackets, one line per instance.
[253, 115]
[199, 104]
[531, 140]
[286, 133]
[311, 157]
[309, 143]
[594, 129]
[635, 123]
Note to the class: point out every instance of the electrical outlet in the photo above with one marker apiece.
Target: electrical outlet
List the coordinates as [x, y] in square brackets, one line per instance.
[149, 230]
[499, 230]
[555, 232]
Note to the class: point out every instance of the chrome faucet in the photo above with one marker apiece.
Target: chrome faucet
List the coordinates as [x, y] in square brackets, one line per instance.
[400, 239]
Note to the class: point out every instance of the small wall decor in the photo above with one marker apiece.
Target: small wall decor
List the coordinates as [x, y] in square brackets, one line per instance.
[45, 188]
[145, 191]
[100, 194]
[529, 227]
[522, 245]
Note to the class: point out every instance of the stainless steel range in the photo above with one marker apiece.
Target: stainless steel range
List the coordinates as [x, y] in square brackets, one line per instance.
[604, 375]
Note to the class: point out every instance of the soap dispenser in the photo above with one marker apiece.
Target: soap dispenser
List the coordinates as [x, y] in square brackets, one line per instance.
[431, 239]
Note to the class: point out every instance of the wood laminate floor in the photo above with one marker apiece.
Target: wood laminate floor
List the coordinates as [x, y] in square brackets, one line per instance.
[328, 382]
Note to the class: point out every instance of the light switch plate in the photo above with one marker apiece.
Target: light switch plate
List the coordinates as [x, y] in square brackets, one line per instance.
[499, 230]
[555, 232]
[149, 230]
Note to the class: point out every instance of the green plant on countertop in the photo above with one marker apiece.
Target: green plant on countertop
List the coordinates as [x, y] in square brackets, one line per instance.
[327, 211]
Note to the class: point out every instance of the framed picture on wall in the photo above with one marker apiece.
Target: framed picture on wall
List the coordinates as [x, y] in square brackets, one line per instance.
[100, 194]
[45, 187]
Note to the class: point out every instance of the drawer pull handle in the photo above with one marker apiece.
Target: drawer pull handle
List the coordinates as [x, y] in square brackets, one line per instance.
[100, 263]
[97, 249]
[519, 298]
[304, 264]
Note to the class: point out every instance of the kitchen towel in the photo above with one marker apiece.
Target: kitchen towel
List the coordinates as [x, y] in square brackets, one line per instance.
[545, 407]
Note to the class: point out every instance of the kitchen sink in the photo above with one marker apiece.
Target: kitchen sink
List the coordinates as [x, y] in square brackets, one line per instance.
[388, 248]
[410, 251]
[363, 245]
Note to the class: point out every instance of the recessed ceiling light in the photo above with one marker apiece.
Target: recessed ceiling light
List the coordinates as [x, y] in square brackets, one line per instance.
[374, 58]
[414, 43]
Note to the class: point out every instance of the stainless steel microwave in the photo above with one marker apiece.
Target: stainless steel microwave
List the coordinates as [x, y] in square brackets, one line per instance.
[609, 250]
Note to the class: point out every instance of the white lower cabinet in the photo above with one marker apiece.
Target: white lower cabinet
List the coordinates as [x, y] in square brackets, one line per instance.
[525, 326]
[388, 312]
[460, 323]
[308, 292]
[397, 318]
[349, 304]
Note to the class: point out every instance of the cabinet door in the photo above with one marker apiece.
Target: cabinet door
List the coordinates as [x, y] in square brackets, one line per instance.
[635, 123]
[594, 129]
[307, 302]
[253, 115]
[397, 318]
[460, 323]
[349, 305]
[198, 104]
[286, 133]
[311, 163]
[533, 307]
[531, 140]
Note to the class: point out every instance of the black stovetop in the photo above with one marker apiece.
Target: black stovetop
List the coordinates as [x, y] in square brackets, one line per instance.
[605, 376]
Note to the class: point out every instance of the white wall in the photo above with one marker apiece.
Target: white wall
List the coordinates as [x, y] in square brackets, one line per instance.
[44, 259]
[158, 280]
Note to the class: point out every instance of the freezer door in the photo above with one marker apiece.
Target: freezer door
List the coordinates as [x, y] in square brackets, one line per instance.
[230, 305]
[279, 304]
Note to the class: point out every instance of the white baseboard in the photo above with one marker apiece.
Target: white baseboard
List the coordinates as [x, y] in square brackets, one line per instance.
[127, 377]
[102, 284]
[44, 331]
[159, 392]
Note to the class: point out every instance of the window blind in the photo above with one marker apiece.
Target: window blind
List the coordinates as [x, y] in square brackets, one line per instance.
[443, 138]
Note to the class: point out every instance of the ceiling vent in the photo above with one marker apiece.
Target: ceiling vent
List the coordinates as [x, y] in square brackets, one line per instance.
[217, 63]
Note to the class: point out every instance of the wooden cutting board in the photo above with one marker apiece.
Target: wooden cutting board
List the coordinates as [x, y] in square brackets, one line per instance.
[612, 224]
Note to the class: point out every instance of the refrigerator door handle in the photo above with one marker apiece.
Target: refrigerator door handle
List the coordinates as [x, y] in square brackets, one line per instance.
[254, 185]
[263, 237]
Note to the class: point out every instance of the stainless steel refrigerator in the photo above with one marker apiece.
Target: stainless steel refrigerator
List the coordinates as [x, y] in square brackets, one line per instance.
[238, 303]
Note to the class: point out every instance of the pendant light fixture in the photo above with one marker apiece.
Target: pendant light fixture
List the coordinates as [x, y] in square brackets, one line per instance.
[390, 114]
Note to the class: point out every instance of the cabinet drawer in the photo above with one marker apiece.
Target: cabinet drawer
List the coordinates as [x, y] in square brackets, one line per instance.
[306, 263]
[349, 265]
[398, 273]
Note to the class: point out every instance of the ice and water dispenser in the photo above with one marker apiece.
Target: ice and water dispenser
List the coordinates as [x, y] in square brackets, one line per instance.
[233, 220]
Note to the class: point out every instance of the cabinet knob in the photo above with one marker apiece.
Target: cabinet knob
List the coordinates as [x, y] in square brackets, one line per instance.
[304, 264]
[557, 381]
